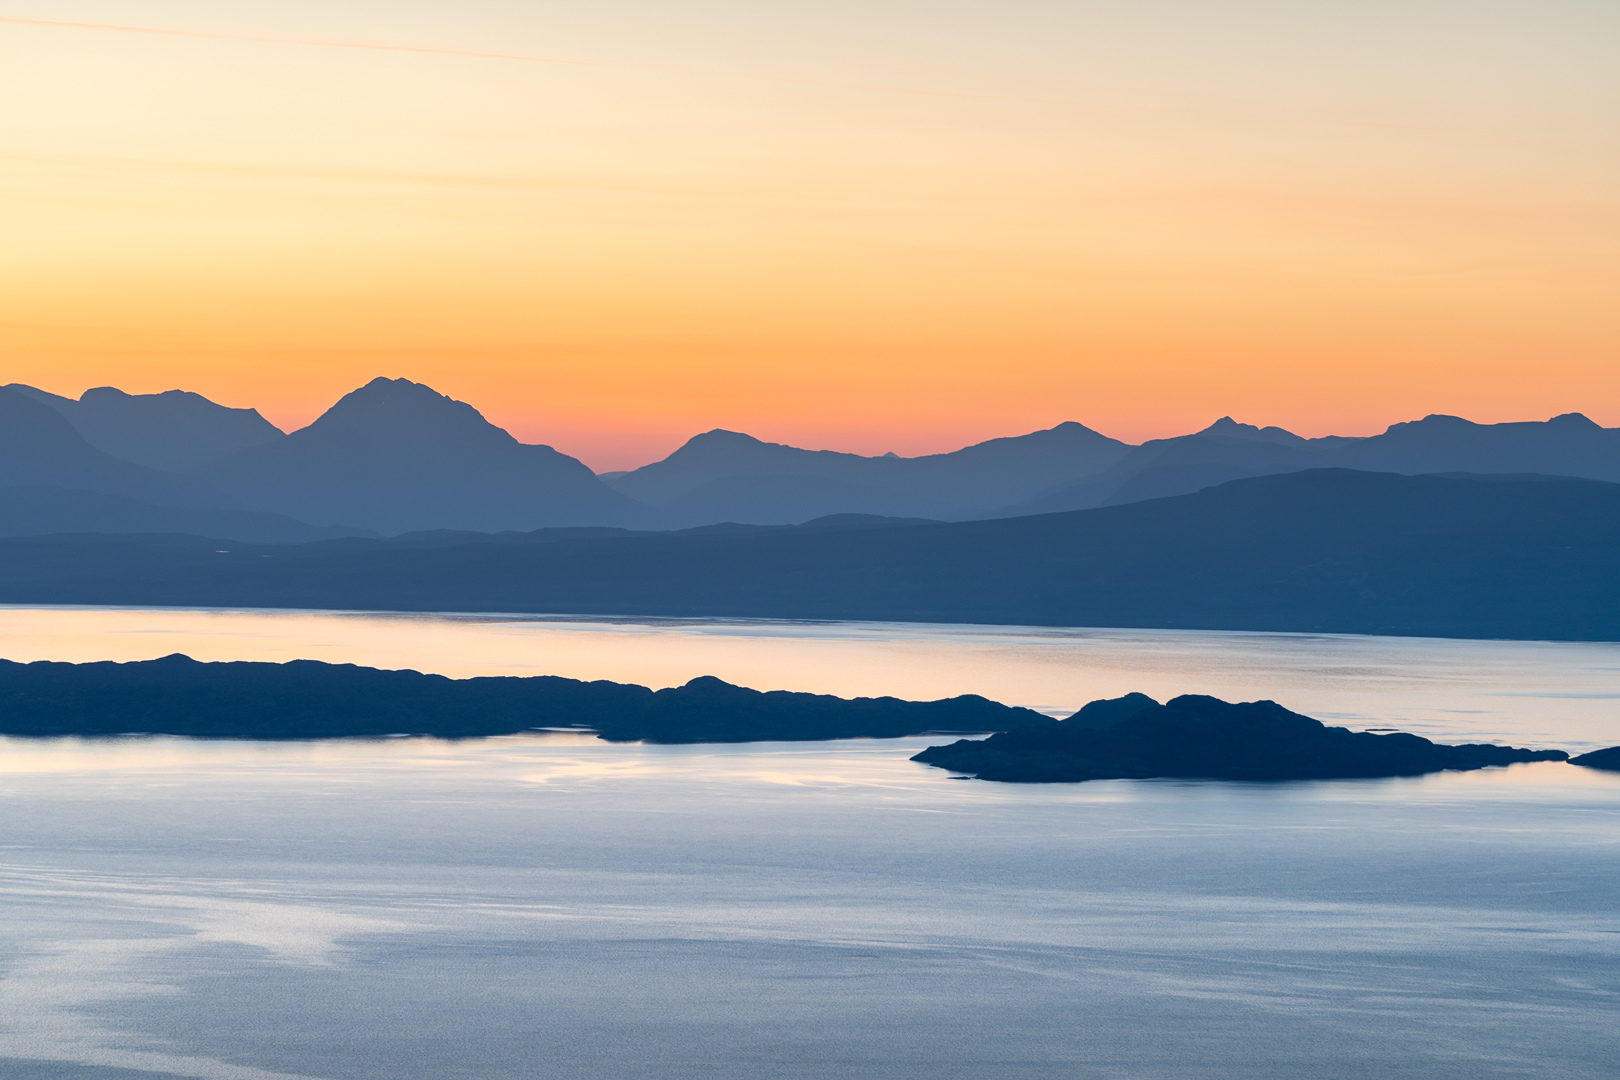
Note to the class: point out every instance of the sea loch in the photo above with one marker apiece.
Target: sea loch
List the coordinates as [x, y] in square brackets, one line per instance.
[552, 905]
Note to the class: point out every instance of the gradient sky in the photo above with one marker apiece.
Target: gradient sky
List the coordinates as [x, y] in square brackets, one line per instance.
[885, 225]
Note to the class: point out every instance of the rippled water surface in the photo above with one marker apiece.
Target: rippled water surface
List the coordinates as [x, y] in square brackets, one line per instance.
[551, 906]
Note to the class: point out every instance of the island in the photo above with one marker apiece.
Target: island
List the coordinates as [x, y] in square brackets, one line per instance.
[1199, 737]
[1607, 759]
[308, 699]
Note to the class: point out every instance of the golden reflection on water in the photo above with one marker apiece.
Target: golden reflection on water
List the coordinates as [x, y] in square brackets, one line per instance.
[872, 766]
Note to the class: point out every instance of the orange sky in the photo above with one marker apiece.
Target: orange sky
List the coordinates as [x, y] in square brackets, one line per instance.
[865, 226]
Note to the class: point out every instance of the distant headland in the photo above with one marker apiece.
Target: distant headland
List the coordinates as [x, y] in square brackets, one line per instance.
[307, 699]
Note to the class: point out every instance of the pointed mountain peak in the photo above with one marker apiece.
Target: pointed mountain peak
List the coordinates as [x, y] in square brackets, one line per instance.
[1230, 428]
[1227, 428]
[406, 411]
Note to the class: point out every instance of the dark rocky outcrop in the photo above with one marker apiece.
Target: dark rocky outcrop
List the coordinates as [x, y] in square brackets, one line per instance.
[1199, 737]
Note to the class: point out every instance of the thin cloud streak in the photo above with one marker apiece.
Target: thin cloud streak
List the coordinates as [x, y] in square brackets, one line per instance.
[824, 84]
[336, 175]
[325, 43]
[481, 54]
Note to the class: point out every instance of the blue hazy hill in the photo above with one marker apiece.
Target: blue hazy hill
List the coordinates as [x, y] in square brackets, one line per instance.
[175, 431]
[729, 476]
[1568, 445]
[40, 448]
[1320, 550]
[43, 511]
[396, 456]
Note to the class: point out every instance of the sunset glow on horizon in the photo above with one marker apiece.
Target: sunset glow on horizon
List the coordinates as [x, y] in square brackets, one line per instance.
[864, 227]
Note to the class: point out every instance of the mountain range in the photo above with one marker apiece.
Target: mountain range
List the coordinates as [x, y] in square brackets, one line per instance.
[728, 476]
[395, 457]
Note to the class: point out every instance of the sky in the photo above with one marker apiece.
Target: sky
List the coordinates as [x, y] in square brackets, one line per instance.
[874, 226]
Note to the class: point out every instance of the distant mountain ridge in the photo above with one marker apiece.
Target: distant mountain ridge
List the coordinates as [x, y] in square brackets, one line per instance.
[391, 457]
[396, 456]
[728, 476]
[1567, 445]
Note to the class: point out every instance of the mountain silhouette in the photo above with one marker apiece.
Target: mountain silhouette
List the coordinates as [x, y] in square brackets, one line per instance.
[1569, 445]
[1323, 550]
[40, 448]
[728, 476]
[1228, 428]
[396, 456]
[1164, 467]
[176, 431]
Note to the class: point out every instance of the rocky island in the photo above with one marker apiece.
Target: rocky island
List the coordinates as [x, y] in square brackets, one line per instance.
[1198, 737]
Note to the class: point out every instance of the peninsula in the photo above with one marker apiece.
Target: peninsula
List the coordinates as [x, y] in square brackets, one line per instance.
[307, 699]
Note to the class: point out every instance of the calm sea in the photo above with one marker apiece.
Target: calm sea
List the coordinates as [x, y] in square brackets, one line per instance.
[551, 906]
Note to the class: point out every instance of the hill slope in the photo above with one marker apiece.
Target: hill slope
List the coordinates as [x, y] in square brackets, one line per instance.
[176, 430]
[41, 511]
[39, 448]
[1321, 550]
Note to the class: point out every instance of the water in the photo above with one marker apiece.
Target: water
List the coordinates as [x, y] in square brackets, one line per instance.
[551, 906]
[1556, 694]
